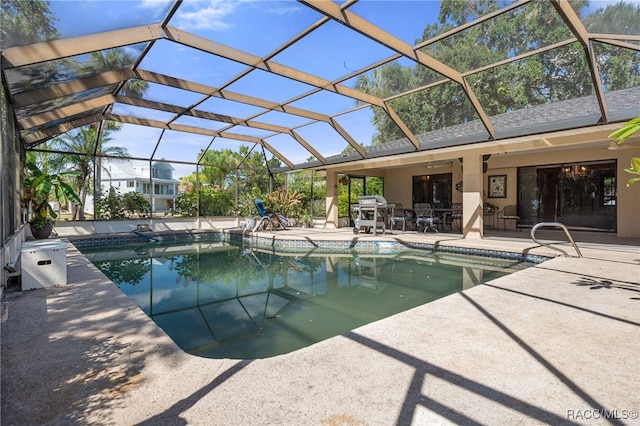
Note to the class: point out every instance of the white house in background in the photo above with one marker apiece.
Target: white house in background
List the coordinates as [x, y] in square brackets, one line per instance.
[136, 176]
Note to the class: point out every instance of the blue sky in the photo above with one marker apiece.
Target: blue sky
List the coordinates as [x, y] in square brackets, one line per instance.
[256, 27]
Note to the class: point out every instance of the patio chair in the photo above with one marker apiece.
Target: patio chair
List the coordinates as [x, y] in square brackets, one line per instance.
[425, 215]
[509, 213]
[268, 219]
[397, 215]
[456, 216]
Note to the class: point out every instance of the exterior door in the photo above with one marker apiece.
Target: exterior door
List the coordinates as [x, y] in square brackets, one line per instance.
[579, 195]
[433, 189]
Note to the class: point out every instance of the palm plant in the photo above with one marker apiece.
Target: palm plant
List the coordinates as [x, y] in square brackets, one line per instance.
[283, 202]
[38, 189]
[620, 136]
[81, 145]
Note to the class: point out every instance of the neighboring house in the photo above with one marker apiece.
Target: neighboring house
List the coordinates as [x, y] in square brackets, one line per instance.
[137, 176]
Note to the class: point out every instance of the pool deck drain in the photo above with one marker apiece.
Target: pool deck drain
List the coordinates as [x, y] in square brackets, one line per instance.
[557, 343]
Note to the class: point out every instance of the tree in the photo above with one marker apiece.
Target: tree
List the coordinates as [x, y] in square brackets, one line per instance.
[25, 22]
[383, 82]
[114, 59]
[81, 144]
[219, 167]
[135, 204]
[108, 60]
[253, 175]
[210, 202]
[616, 18]
[314, 200]
[110, 206]
[555, 75]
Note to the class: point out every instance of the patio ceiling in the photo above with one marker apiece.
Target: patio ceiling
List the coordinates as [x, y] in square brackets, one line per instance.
[292, 92]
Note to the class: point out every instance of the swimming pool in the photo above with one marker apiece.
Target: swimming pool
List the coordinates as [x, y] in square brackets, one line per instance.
[223, 300]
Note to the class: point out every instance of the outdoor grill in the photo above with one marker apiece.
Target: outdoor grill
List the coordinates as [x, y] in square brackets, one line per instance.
[370, 214]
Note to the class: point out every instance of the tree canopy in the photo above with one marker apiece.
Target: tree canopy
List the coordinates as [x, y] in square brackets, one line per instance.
[25, 22]
[555, 75]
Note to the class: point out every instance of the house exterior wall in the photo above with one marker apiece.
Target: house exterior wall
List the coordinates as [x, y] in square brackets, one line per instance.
[398, 181]
[163, 198]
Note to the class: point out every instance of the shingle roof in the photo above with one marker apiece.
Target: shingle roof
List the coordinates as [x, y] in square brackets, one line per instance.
[554, 116]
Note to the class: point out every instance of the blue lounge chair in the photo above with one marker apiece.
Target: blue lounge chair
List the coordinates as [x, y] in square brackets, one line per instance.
[270, 219]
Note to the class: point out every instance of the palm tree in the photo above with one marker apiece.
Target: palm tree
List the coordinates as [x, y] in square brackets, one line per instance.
[81, 145]
[114, 59]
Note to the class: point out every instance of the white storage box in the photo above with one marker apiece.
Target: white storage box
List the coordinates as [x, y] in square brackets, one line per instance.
[43, 263]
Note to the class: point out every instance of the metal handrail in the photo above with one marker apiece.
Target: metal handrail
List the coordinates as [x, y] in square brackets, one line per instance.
[555, 225]
[251, 226]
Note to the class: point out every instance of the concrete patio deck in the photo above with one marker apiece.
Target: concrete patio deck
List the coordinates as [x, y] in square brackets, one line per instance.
[557, 343]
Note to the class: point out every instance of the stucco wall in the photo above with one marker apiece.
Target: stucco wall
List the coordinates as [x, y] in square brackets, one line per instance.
[75, 228]
[398, 181]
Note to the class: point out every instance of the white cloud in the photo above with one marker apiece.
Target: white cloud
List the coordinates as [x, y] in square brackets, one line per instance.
[160, 7]
[208, 14]
[284, 10]
[152, 4]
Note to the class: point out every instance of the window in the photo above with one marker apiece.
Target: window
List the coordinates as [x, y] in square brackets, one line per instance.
[433, 189]
[162, 189]
[129, 184]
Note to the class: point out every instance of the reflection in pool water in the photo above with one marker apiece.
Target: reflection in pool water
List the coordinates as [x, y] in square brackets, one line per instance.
[219, 300]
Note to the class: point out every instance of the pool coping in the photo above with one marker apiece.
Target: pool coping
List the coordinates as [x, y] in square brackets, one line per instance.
[297, 243]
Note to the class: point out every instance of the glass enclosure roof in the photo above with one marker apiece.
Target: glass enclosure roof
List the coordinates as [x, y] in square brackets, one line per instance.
[318, 82]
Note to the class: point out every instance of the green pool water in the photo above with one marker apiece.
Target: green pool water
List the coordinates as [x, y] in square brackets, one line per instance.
[220, 300]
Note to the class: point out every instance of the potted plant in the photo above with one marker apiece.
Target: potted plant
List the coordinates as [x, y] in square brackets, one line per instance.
[38, 188]
[490, 208]
[304, 219]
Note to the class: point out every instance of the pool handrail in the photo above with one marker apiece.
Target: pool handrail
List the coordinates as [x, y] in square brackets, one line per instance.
[554, 225]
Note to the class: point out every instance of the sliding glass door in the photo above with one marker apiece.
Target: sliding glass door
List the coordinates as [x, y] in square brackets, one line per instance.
[579, 195]
[433, 189]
